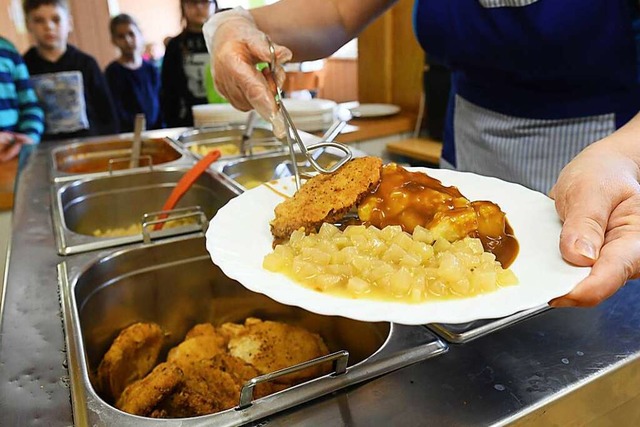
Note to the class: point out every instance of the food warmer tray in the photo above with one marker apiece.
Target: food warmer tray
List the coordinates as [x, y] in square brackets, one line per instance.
[261, 142]
[90, 203]
[174, 284]
[109, 155]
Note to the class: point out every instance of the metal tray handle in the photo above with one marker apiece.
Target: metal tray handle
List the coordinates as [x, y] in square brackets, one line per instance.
[147, 157]
[465, 332]
[172, 215]
[340, 361]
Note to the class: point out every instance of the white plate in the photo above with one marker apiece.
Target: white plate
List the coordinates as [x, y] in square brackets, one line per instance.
[325, 117]
[313, 126]
[374, 110]
[239, 237]
[308, 107]
[216, 114]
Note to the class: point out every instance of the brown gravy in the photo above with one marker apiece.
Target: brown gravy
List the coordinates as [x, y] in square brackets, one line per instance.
[410, 199]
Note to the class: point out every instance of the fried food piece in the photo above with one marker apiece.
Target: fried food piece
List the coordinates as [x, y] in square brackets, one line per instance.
[230, 330]
[198, 348]
[201, 329]
[200, 376]
[326, 198]
[131, 356]
[269, 346]
[210, 386]
[224, 332]
[142, 396]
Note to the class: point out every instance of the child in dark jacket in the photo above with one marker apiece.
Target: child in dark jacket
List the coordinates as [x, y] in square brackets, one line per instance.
[134, 82]
[185, 65]
[70, 86]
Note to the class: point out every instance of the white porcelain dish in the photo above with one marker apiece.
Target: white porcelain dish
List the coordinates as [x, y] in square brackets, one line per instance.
[308, 107]
[217, 114]
[374, 110]
[239, 237]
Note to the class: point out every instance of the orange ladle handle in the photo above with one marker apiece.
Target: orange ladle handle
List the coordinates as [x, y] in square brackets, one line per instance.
[185, 183]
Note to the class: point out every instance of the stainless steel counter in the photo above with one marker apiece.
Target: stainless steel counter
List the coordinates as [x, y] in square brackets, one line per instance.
[561, 367]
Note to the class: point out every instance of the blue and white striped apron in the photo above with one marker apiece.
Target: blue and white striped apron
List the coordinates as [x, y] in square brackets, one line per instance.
[533, 81]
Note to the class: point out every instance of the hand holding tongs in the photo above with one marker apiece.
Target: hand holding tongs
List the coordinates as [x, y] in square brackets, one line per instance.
[292, 132]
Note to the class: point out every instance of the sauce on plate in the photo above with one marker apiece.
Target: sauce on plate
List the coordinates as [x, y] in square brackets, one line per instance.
[410, 199]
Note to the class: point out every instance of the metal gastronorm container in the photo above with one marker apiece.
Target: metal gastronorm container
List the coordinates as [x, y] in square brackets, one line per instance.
[90, 203]
[175, 284]
[228, 138]
[102, 156]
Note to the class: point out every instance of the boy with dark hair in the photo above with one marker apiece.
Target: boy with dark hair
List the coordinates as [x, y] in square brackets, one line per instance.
[71, 88]
[134, 82]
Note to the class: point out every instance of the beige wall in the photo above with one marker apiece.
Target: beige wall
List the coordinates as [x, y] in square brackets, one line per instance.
[390, 60]
[12, 24]
[340, 80]
[91, 29]
[157, 18]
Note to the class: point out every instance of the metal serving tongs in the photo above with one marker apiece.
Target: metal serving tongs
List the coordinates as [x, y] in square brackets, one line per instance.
[292, 133]
[245, 147]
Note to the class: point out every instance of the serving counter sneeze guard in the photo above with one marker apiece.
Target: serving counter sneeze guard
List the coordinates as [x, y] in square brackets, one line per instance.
[555, 367]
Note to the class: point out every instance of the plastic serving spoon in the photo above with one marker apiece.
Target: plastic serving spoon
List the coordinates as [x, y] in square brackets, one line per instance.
[185, 183]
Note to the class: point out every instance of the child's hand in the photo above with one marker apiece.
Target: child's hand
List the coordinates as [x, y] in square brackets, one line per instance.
[11, 144]
[6, 138]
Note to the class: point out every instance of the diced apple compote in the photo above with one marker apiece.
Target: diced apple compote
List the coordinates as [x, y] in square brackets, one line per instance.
[388, 264]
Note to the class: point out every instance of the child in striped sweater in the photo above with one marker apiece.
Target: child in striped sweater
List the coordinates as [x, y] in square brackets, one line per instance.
[21, 118]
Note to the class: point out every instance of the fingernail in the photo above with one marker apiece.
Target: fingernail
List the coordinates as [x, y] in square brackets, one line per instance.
[585, 248]
[278, 125]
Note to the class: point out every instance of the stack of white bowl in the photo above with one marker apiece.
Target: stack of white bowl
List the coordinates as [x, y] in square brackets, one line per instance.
[311, 115]
[216, 115]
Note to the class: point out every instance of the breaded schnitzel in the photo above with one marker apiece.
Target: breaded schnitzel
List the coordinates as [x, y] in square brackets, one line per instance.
[206, 372]
[142, 396]
[131, 356]
[201, 329]
[211, 385]
[270, 346]
[326, 198]
[200, 347]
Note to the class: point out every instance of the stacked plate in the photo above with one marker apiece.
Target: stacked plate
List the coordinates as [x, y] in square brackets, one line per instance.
[311, 115]
[217, 114]
[374, 110]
